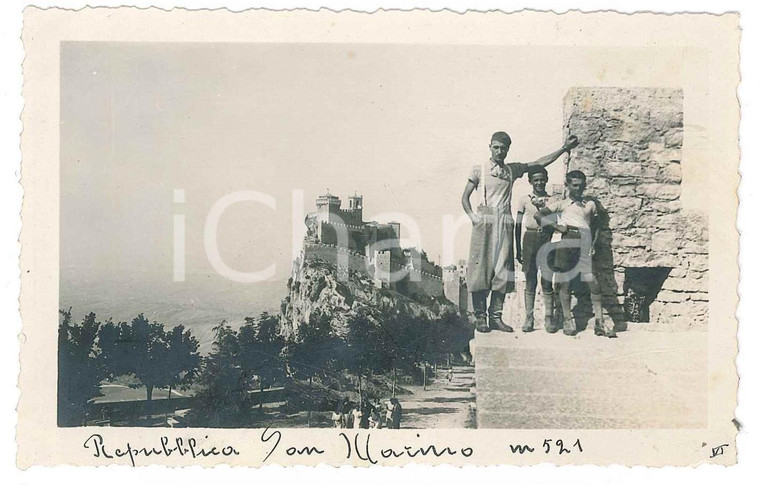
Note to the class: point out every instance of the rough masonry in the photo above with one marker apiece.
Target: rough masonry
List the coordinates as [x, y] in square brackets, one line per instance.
[653, 257]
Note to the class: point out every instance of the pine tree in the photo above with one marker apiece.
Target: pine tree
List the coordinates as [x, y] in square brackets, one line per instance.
[79, 368]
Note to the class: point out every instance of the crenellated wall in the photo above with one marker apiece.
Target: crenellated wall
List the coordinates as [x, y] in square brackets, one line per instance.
[410, 282]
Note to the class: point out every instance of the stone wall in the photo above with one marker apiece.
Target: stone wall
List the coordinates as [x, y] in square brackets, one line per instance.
[338, 257]
[423, 284]
[455, 289]
[652, 253]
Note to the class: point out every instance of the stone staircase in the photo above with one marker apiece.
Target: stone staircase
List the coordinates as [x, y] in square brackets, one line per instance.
[642, 379]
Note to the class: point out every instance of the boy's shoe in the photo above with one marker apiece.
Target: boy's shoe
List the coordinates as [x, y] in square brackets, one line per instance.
[495, 311]
[495, 322]
[528, 325]
[569, 328]
[481, 325]
[600, 331]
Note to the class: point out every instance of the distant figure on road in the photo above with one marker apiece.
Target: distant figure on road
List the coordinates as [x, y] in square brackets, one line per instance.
[367, 409]
[450, 375]
[341, 414]
[357, 417]
[374, 416]
[395, 412]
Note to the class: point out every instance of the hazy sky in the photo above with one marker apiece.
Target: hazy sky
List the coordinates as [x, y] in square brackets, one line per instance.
[399, 124]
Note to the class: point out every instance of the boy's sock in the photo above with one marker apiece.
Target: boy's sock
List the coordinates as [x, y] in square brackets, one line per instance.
[549, 323]
[530, 300]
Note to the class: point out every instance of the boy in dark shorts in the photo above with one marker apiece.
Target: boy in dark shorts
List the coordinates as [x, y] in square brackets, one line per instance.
[528, 245]
[573, 258]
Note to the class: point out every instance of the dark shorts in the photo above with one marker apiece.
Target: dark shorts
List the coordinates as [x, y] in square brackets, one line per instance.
[532, 242]
[571, 258]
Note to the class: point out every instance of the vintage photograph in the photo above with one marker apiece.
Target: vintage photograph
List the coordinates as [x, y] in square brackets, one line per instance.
[189, 172]
[379, 235]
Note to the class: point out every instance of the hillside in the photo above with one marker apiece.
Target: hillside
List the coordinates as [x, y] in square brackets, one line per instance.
[315, 287]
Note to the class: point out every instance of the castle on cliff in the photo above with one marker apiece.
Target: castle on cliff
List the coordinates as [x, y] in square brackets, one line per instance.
[342, 237]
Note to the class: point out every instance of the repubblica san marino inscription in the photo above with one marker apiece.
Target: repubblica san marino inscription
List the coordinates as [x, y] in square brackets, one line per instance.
[412, 237]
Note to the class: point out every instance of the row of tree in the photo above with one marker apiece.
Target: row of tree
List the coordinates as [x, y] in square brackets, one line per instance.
[371, 343]
[93, 351]
[231, 380]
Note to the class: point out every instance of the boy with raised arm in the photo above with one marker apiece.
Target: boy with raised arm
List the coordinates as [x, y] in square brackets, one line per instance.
[491, 263]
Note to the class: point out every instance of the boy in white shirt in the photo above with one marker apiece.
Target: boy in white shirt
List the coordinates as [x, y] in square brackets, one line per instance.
[573, 258]
[529, 243]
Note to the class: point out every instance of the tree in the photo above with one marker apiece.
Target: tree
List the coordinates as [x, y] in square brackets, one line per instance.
[260, 349]
[137, 348]
[182, 360]
[223, 397]
[315, 352]
[79, 368]
[370, 347]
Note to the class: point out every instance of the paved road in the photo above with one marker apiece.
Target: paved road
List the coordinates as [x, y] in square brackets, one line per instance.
[443, 405]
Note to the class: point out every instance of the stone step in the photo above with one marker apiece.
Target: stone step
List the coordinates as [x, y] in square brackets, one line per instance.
[562, 421]
[542, 379]
[579, 360]
[641, 380]
[627, 404]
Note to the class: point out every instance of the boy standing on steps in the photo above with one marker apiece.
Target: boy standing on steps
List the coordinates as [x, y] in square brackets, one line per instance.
[527, 247]
[491, 264]
[573, 258]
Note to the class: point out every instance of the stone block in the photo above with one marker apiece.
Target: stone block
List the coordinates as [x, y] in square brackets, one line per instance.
[621, 169]
[678, 272]
[674, 138]
[628, 203]
[656, 147]
[640, 257]
[666, 155]
[627, 180]
[671, 172]
[623, 190]
[666, 241]
[699, 263]
[631, 241]
[668, 222]
[685, 284]
[694, 228]
[672, 296]
[662, 206]
[695, 247]
[657, 191]
[622, 220]
[651, 172]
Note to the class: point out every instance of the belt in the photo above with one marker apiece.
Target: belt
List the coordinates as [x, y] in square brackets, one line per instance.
[573, 232]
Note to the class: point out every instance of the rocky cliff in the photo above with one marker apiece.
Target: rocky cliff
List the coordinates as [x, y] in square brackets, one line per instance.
[315, 286]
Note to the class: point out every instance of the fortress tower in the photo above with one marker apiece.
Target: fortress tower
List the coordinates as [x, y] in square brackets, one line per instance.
[355, 206]
[328, 208]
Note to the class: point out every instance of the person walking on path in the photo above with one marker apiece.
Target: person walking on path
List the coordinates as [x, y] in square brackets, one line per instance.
[491, 265]
[395, 412]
